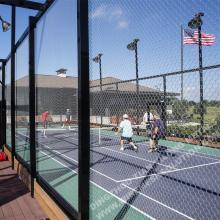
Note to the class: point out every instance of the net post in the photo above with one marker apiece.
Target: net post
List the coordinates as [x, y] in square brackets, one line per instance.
[99, 136]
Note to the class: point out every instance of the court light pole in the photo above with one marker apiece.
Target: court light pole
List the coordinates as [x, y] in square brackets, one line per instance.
[196, 23]
[133, 46]
[5, 25]
[98, 59]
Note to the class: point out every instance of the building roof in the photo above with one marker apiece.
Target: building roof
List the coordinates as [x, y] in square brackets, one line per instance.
[54, 81]
[49, 81]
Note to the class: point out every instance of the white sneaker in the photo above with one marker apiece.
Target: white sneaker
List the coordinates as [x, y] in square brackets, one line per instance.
[135, 148]
[122, 148]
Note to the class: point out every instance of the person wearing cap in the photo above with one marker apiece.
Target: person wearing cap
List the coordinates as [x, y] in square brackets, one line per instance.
[157, 132]
[44, 117]
[127, 133]
[67, 120]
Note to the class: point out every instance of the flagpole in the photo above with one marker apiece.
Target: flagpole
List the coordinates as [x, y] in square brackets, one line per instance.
[201, 82]
[181, 62]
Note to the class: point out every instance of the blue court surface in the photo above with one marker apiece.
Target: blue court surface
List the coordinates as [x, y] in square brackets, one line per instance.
[172, 183]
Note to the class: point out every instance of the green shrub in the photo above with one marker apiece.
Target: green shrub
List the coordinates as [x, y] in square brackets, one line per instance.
[179, 131]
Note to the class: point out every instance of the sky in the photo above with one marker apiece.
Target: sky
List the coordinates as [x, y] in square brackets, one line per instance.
[112, 25]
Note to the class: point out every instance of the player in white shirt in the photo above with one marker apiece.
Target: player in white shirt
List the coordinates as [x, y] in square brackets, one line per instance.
[127, 133]
[148, 119]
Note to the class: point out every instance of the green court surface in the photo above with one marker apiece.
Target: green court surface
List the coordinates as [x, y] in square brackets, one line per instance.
[65, 182]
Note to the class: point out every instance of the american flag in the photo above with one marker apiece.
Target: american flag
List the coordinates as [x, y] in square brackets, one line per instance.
[192, 37]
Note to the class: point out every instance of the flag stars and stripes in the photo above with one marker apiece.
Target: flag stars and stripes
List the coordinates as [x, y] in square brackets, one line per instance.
[192, 37]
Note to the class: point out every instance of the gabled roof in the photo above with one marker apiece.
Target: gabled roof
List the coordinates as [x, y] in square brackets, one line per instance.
[49, 81]
[54, 81]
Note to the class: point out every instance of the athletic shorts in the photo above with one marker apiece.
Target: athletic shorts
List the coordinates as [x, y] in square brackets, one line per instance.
[157, 137]
[67, 120]
[129, 139]
[44, 124]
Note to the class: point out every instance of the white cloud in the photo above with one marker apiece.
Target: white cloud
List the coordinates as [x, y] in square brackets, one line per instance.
[122, 24]
[112, 14]
[101, 11]
[115, 13]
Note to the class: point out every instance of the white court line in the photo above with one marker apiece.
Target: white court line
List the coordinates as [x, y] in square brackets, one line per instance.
[63, 155]
[140, 158]
[134, 189]
[143, 213]
[194, 153]
[57, 129]
[171, 171]
[213, 157]
[160, 203]
[135, 178]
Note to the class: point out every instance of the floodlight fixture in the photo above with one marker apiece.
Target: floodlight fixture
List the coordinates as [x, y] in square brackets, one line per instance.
[5, 25]
[196, 22]
[97, 59]
[133, 44]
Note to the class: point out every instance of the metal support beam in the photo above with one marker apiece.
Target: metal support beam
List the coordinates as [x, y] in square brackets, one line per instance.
[101, 98]
[23, 4]
[164, 103]
[3, 105]
[137, 88]
[13, 17]
[38, 16]
[32, 101]
[201, 86]
[83, 109]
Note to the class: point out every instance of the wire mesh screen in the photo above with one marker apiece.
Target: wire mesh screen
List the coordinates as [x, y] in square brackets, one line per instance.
[154, 102]
[56, 100]
[22, 146]
[8, 101]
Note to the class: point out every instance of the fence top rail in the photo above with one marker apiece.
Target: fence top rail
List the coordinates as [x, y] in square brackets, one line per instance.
[159, 75]
[25, 33]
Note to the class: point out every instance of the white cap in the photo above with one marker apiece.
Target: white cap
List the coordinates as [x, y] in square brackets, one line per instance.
[125, 116]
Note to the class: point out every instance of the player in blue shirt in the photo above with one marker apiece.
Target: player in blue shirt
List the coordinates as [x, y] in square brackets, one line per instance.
[157, 132]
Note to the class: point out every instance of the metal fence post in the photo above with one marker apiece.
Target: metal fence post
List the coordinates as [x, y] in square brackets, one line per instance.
[83, 109]
[32, 100]
[201, 86]
[164, 104]
[13, 51]
[3, 105]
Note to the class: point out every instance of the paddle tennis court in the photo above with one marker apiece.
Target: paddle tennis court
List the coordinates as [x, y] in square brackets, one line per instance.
[176, 182]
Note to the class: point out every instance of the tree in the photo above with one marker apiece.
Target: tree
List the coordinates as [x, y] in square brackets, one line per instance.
[180, 108]
[196, 109]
